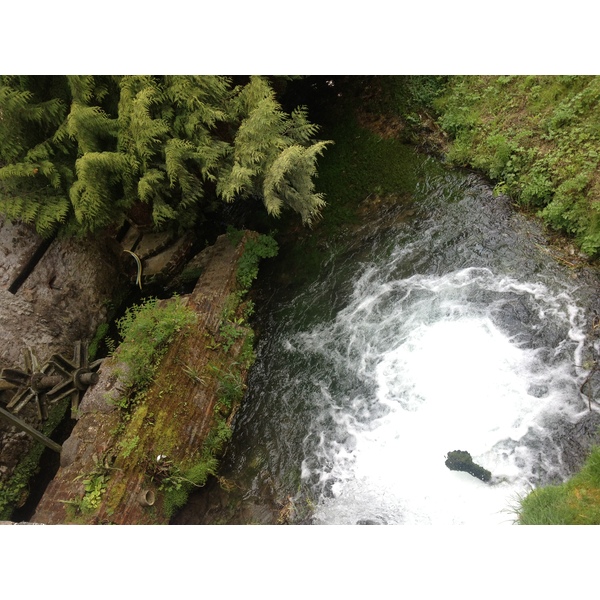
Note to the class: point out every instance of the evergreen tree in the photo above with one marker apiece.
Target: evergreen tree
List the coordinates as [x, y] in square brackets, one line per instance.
[83, 151]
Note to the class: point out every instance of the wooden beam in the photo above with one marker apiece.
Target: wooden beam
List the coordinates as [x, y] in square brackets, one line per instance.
[34, 433]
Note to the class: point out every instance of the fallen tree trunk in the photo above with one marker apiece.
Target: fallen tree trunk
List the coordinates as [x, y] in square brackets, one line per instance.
[136, 465]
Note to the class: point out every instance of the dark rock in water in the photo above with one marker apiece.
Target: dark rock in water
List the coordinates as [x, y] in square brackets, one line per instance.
[367, 522]
[459, 460]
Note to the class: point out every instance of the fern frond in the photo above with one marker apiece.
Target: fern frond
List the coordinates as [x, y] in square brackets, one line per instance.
[162, 213]
[92, 193]
[177, 151]
[232, 182]
[139, 132]
[298, 128]
[201, 98]
[151, 185]
[289, 181]
[81, 88]
[90, 126]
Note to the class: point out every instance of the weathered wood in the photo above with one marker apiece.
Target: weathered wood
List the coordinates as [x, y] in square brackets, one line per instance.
[34, 433]
[174, 419]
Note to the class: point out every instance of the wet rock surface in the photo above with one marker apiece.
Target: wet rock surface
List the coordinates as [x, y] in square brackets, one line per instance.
[460, 460]
[52, 292]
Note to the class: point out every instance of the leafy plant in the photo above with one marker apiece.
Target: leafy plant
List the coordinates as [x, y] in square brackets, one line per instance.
[538, 138]
[230, 332]
[147, 330]
[94, 490]
[263, 246]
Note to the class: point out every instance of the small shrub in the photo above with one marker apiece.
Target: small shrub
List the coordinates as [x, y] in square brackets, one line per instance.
[536, 190]
[147, 330]
[264, 246]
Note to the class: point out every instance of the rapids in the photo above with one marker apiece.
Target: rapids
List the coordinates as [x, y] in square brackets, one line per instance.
[440, 324]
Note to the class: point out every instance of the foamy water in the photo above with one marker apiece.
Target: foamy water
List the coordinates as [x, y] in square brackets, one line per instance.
[442, 370]
[447, 329]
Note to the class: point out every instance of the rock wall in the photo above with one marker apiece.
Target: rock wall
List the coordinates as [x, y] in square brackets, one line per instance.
[52, 293]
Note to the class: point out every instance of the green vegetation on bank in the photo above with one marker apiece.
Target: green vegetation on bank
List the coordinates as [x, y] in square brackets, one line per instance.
[538, 139]
[575, 502]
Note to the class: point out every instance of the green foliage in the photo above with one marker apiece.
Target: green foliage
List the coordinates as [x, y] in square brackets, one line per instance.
[99, 336]
[230, 388]
[14, 490]
[536, 188]
[546, 506]
[247, 355]
[147, 330]
[575, 502]
[176, 482]
[95, 487]
[229, 333]
[82, 151]
[263, 246]
[538, 138]
[271, 155]
[289, 182]
[129, 445]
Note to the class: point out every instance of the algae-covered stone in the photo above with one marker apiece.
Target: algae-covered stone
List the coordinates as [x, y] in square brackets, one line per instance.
[459, 460]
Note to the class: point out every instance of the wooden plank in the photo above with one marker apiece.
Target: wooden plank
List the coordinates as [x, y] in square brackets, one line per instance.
[34, 433]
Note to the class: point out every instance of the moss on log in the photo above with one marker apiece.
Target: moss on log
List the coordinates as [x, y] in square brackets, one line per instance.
[133, 458]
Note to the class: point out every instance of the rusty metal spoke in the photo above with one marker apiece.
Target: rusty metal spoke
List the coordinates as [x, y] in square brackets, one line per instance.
[56, 379]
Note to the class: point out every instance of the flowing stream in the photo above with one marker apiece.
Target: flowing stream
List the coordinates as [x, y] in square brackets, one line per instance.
[440, 324]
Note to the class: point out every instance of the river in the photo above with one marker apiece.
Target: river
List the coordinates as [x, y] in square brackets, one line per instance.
[441, 323]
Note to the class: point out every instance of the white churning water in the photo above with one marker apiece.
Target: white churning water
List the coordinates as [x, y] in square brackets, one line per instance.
[469, 360]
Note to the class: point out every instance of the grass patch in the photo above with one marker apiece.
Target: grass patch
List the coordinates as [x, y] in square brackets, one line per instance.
[575, 502]
[538, 139]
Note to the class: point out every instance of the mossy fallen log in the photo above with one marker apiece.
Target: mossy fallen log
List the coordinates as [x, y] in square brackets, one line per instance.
[138, 450]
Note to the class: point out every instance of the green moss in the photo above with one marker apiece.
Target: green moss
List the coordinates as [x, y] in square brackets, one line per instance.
[101, 332]
[362, 163]
[15, 490]
[147, 329]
